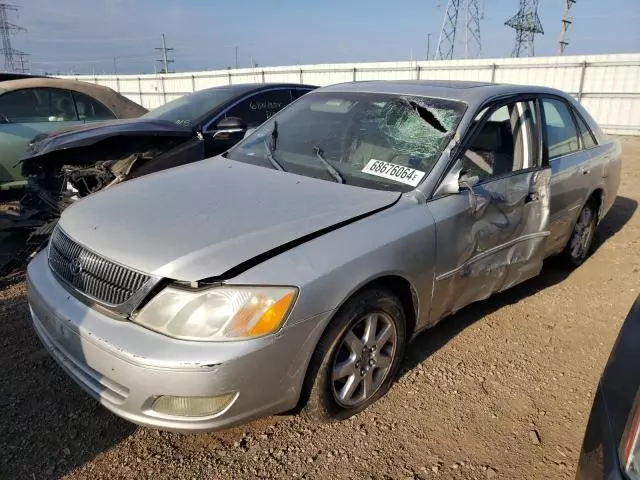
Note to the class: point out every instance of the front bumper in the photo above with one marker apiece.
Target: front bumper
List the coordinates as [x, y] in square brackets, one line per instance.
[126, 367]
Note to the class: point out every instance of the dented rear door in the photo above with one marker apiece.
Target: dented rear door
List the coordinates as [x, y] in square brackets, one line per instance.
[492, 234]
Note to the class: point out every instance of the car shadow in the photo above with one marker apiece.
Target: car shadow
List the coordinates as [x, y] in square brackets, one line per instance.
[431, 340]
[49, 425]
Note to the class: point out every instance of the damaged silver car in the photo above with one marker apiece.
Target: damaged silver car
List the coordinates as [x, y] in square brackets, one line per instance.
[291, 271]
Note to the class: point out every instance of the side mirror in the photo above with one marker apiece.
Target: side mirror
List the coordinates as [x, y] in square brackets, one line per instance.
[230, 127]
[450, 184]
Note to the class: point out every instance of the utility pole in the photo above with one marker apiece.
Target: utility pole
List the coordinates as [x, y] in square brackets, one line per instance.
[164, 60]
[115, 66]
[527, 24]
[428, 45]
[566, 21]
[236, 57]
[6, 30]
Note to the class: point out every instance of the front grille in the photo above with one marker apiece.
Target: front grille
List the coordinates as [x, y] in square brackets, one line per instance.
[91, 274]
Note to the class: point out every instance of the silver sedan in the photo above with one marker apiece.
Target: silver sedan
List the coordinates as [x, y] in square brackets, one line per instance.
[291, 271]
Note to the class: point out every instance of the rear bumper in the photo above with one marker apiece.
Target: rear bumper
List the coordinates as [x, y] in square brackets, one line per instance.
[126, 367]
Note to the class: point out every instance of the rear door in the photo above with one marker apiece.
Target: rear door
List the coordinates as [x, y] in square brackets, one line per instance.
[25, 114]
[491, 234]
[570, 178]
[91, 110]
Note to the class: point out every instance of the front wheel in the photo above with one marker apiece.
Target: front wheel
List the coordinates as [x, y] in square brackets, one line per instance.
[356, 360]
[579, 244]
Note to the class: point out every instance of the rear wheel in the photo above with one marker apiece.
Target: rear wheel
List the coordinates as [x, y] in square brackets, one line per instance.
[579, 244]
[357, 358]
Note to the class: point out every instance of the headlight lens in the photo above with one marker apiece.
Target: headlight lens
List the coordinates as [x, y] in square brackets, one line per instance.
[217, 314]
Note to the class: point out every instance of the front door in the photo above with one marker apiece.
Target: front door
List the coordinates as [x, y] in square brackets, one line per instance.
[254, 111]
[569, 162]
[491, 235]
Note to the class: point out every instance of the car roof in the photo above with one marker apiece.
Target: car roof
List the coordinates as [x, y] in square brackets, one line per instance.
[243, 88]
[118, 104]
[43, 82]
[464, 91]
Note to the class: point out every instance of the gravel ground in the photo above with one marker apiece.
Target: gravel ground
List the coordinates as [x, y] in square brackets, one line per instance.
[501, 390]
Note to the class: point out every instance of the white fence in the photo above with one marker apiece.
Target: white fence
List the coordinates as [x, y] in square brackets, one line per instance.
[607, 85]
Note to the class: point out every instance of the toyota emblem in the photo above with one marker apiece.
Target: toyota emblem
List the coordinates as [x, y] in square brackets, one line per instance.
[76, 266]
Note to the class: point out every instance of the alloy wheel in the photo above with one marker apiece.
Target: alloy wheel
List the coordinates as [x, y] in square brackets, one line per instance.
[364, 359]
[582, 234]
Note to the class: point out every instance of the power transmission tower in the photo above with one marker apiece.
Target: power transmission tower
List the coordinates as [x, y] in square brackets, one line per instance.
[526, 23]
[6, 30]
[566, 21]
[473, 45]
[164, 60]
[447, 39]
[24, 62]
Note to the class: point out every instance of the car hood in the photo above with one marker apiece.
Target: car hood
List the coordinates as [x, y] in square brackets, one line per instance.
[90, 133]
[203, 219]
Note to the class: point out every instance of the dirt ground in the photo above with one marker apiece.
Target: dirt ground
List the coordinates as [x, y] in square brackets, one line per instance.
[501, 390]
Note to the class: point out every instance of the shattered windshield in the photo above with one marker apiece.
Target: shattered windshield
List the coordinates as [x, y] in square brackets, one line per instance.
[382, 141]
[189, 109]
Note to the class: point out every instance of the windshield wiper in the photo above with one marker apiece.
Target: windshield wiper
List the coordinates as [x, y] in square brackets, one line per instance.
[270, 146]
[334, 173]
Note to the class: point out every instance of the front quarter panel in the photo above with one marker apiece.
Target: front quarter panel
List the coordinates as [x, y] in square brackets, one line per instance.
[329, 269]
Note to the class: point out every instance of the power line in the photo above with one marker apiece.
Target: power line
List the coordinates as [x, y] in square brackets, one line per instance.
[164, 60]
[566, 21]
[11, 63]
[527, 24]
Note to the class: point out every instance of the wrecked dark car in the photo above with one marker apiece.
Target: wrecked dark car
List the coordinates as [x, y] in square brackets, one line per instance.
[71, 163]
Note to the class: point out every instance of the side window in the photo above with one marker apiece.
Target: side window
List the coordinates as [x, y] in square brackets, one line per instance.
[585, 134]
[90, 109]
[562, 136]
[36, 105]
[257, 109]
[507, 142]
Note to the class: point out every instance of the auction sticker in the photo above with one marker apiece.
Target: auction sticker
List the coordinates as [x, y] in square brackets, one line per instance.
[391, 171]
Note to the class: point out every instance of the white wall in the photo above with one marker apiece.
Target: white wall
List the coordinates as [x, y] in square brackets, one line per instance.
[607, 85]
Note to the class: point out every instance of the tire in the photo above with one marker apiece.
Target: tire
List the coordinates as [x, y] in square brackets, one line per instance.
[579, 245]
[375, 366]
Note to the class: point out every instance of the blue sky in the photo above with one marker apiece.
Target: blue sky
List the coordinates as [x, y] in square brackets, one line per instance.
[84, 36]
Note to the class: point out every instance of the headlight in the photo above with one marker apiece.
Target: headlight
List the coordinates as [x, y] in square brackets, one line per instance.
[219, 313]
